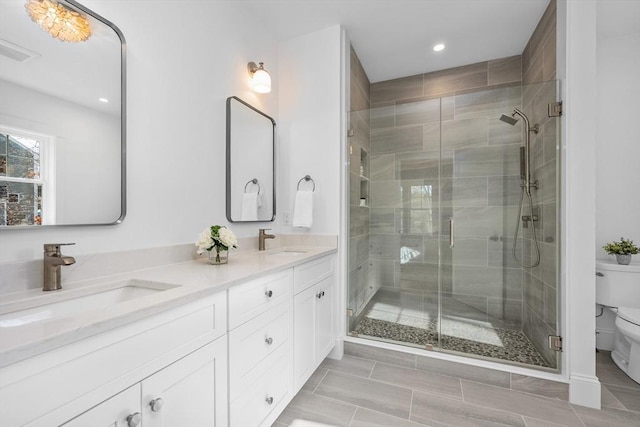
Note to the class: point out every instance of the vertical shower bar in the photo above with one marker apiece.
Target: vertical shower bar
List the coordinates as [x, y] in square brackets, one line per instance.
[451, 231]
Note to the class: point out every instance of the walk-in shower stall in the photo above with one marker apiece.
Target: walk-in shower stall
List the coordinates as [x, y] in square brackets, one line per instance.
[453, 216]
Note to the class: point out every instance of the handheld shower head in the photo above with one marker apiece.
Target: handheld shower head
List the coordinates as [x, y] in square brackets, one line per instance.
[510, 120]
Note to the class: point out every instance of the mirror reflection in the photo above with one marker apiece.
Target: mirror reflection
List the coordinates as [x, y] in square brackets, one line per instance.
[250, 163]
[61, 119]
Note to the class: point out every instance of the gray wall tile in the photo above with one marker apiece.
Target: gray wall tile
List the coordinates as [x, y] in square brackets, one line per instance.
[396, 140]
[444, 82]
[505, 70]
[391, 90]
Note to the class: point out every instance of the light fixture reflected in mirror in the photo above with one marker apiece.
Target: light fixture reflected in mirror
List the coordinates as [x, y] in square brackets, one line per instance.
[260, 79]
[58, 20]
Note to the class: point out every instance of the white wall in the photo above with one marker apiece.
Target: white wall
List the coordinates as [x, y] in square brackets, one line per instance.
[576, 72]
[183, 60]
[618, 112]
[310, 125]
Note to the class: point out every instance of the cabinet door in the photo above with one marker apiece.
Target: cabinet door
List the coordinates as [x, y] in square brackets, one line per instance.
[190, 392]
[113, 412]
[304, 336]
[324, 319]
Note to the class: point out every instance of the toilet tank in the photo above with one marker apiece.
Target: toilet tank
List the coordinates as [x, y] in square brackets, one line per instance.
[617, 285]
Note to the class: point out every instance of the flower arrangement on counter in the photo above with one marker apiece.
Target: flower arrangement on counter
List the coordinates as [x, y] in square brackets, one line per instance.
[218, 238]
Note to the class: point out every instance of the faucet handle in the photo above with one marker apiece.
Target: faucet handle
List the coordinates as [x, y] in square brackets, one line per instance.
[55, 247]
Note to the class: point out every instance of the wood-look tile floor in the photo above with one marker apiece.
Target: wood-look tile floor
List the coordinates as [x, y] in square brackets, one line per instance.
[379, 388]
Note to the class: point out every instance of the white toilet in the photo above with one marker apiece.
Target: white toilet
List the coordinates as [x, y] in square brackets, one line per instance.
[618, 289]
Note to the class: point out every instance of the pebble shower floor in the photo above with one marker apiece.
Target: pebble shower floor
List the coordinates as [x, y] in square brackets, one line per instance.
[505, 344]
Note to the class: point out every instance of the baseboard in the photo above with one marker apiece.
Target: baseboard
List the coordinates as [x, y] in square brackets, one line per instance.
[585, 391]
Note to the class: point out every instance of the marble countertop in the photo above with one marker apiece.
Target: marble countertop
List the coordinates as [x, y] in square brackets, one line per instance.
[189, 281]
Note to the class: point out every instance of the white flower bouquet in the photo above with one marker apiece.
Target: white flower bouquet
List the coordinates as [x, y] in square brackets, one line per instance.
[219, 238]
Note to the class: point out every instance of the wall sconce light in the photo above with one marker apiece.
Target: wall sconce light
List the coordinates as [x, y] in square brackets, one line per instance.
[58, 20]
[260, 79]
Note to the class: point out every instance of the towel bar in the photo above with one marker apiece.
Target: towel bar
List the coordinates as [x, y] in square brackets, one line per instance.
[307, 178]
[252, 181]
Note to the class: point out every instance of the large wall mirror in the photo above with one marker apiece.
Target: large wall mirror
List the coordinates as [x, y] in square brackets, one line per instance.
[250, 163]
[62, 120]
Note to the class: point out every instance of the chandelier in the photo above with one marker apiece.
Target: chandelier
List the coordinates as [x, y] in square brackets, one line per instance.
[58, 20]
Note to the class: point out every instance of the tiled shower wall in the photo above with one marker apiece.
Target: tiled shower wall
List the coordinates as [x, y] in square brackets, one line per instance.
[416, 187]
[540, 283]
[360, 288]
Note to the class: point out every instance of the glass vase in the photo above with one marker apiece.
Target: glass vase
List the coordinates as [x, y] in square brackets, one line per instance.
[218, 256]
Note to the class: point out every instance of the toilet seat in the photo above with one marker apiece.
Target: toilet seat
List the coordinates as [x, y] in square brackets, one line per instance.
[631, 315]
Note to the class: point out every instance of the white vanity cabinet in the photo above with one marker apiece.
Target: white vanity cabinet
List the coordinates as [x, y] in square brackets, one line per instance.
[179, 356]
[121, 410]
[313, 316]
[183, 393]
[260, 349]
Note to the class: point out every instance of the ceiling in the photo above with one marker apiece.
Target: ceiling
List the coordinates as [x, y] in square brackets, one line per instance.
[394, 38]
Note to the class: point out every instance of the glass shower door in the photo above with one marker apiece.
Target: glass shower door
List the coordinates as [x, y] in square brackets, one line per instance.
[498, 300]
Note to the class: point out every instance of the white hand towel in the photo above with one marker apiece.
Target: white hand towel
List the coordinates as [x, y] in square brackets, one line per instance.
[249, 207]
[303, 209]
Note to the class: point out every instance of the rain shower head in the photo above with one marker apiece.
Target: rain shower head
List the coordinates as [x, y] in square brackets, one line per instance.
[510, 120]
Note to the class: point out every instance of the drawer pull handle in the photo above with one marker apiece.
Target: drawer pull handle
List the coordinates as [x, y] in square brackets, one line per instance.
[156, 404]
[269, 400]
[134, 419]
[599, 274]
[269, 294]
[268, 340]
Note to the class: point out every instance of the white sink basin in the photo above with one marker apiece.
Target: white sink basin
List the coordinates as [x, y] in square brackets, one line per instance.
[59, 303]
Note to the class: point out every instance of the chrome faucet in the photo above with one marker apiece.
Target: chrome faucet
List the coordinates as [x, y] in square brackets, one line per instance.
[262, 236]
[53, 260]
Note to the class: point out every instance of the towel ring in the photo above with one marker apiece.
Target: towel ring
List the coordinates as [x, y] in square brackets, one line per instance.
[307, 178]
[252, 181]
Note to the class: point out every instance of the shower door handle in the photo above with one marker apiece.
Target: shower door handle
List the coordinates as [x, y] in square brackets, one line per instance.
[451, 230]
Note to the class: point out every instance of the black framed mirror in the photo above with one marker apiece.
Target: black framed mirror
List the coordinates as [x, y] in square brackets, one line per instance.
[251, 195]
[62, 121]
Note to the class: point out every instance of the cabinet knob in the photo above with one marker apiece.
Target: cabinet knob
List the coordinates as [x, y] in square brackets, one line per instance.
[268, 340]
[320, 294]
[134, 419]
[269, 294]
[269, 400]
[156, 404]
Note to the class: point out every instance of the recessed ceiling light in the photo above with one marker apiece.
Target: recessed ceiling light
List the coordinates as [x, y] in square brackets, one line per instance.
[105, 100]
[438, 47]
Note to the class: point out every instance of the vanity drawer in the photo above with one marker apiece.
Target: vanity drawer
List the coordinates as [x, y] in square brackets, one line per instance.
[252, 298]
[267, 391]
[311, 272]
[251, 343]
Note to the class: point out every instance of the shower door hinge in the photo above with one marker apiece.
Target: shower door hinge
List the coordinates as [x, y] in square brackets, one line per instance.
[555, 109]
[555, 343]
[349, 312]
[350, 133]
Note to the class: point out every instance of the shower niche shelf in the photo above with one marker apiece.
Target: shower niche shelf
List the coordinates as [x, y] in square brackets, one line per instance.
[364, 178]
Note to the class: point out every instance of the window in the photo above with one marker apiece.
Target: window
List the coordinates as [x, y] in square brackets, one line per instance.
[26, 178]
